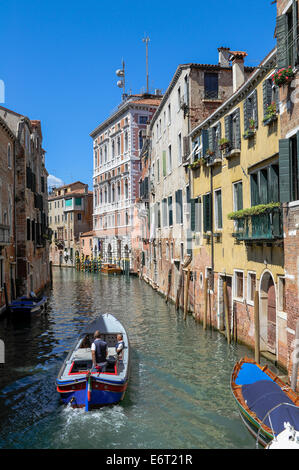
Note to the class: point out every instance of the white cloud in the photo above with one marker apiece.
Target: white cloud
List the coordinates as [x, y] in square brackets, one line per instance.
[54, 181]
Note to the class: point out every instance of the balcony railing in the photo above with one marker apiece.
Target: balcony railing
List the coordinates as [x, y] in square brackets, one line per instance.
[261, 227]
[4, 234]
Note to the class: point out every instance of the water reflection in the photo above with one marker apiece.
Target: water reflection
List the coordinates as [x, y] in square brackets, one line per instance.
[178, 395]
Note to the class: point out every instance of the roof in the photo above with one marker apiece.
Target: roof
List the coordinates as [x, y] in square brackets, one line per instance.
[232, 100]
[145, 100]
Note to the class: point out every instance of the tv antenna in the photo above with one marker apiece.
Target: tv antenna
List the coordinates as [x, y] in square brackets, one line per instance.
[146, 40]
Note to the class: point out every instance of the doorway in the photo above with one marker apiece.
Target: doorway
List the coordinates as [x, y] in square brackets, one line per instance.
[268, 313]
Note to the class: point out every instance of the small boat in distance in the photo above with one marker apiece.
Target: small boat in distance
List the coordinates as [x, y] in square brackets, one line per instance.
[26, 305]
[265, 402]
[109, 268]
[82, 386]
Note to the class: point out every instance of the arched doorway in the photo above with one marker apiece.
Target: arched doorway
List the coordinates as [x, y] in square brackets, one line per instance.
[268, 313]
[109, 253]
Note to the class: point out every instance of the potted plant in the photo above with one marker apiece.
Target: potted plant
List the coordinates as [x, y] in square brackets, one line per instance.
[271, 114]
[282, 76]
[196, 164]
[223, 143]
[251, 130]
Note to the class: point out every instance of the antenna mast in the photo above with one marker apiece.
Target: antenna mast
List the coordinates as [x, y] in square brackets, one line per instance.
[146, 40]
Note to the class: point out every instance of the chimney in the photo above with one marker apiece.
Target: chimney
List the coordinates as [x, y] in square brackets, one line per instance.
[224, 54]
[237, 59]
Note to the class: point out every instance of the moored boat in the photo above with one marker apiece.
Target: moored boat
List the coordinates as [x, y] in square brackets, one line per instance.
[82, 386]
[27, 305]
[265, 402]
[111, 269]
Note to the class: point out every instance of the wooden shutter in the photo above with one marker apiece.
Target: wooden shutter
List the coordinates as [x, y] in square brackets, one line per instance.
[267, 95]
[255, 106]
[281, 36]
[246, 110]
[210, 138]
[192, 215]
[295, 33]
[218, 137]
[254, 189]
[218, 200]
[238, 128]
[228, 127]
[205, 141]
[284, 171]
[273, 179]
[263, 186]
[207, 213]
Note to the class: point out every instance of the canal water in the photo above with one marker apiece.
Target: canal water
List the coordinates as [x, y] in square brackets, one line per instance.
[179, 390]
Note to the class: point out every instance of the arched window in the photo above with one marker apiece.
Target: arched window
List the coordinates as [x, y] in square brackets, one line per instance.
[126, 141]
[126, 189]
[113, 149]
[140, 140]
[118, 146]
[118, 191]
[113, 193]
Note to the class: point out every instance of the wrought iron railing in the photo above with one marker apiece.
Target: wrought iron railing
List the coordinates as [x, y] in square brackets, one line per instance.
[266, 226]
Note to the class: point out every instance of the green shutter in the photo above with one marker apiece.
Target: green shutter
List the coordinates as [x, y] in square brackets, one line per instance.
[255, 105]
[284, 171]
[295, 34]
[164, 162]
[273, 183]
[267, 95]
[207, 213]
[228, 127]
[239, 194]
[281, 36]
[205, 141]
[263, 186]
[238, 129]
[246, 106]
[218, 197]
[210, 138]
[254, 189]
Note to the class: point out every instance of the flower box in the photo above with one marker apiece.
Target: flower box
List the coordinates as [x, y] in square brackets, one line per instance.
[249, 134]
[283, 76]
[232, 153]
[270, 119]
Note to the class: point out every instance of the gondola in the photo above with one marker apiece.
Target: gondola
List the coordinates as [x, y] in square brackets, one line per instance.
[265, 402]
[79, 384]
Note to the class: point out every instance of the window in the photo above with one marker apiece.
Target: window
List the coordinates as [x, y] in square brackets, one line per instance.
[142, 119]
[287, 37]
[170, 211]
[158, 170]
[164, 212]
[169, 114]
[169, 159]
[28, 229]
[164, 163]
[2, 275]
[140, 140]
[218, 209]
[118, 147]
[182, 251]
[211, 85]
[270, 96]
[239, 285]
[126, 141]
[251, 286]
[79, 216]
[264, 185]
[179, 98]
[179, 206]
[238, 196]
[179, 148]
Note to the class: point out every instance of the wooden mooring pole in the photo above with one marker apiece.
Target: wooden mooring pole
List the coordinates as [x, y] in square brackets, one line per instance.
[186, 297]
[256, 328]
[225, 299]
[206, 304]
[178, 294]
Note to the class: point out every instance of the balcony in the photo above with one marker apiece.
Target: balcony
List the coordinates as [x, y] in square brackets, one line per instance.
[4, 235]
[264, 227]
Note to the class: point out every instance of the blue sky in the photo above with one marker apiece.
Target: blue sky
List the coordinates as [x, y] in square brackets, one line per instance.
[58, 59]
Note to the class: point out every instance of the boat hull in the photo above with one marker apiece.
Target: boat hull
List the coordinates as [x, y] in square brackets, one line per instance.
[100, 395]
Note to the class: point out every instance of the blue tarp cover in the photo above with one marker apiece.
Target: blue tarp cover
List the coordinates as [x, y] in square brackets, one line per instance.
[262, 396]
[250, 373]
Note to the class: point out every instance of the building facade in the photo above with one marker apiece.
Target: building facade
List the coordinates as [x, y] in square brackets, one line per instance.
[195, 91]
[70, 214]
[286, 77]
[28, 205]
[7, 216]
[117, 144]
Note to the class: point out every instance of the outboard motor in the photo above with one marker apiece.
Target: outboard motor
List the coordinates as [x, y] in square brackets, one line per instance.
[111, 361]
